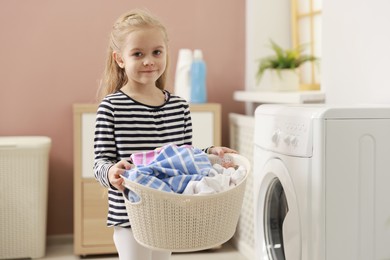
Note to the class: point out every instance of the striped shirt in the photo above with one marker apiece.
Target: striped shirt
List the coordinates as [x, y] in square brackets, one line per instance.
[125, 126]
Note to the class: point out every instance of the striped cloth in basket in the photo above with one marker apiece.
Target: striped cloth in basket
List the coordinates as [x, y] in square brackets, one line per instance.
[168, 169]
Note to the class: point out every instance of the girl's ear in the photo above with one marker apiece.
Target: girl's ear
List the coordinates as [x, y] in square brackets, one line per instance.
[118, 59]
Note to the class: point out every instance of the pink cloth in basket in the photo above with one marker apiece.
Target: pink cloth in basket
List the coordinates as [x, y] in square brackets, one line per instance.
[145, 158]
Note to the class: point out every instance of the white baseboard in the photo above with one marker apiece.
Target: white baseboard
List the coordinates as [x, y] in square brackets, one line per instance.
[247, 251]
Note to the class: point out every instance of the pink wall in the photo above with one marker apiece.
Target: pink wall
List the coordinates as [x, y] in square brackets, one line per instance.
[52, 54]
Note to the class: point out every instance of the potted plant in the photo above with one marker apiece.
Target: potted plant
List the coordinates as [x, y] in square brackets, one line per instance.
[283, 65]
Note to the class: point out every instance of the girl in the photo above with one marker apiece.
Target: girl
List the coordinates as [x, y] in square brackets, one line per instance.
[136, 114]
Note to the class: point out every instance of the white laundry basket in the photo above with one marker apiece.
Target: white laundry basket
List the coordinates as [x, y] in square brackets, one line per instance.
[181, 223]
[23, 196]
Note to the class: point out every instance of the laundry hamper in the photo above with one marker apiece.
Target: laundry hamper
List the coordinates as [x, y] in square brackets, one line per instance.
[23, 196]
[182, 223]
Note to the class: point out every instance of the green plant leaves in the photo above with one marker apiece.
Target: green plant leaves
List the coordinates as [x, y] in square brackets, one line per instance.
[283, 59]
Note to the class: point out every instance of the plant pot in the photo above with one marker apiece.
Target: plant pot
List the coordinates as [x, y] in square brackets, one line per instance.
[284, 80]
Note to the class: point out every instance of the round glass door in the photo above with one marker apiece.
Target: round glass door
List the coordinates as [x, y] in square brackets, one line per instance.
[275, 211]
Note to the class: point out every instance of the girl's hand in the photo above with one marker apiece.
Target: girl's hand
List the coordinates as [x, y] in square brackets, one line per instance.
[115, 172]
[220, 150]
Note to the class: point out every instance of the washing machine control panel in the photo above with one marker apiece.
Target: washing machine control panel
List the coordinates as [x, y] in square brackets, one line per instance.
[285, 135]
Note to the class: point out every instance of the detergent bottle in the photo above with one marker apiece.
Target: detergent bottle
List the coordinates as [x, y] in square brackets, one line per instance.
[198, 78]
[182, 77]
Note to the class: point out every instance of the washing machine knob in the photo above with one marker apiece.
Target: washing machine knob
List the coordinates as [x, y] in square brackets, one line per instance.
[287, 139]
[275, 137]
[294, 140]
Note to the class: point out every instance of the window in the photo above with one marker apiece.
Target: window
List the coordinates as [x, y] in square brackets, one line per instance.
[306, 31]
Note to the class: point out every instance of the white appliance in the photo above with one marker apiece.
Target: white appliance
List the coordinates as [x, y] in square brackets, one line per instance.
[322, 182]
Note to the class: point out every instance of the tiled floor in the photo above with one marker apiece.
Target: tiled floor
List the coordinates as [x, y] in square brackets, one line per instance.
[63, 250]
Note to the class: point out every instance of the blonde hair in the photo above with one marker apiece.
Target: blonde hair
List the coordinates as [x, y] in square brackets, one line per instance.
[114, 77]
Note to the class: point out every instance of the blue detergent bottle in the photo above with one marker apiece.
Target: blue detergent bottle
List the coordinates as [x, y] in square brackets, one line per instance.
[198, 79]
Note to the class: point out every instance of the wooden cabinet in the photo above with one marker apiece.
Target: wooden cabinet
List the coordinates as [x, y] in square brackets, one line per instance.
[95, 229]
[91, 235]
[206, 124]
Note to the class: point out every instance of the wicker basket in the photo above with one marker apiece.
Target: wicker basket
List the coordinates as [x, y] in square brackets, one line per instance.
[182, 223]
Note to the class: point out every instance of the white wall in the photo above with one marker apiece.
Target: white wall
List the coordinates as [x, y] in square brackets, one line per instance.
[265, 20]
[356, 51]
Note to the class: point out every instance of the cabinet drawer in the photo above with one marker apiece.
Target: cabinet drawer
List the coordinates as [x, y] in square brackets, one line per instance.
[95, 206]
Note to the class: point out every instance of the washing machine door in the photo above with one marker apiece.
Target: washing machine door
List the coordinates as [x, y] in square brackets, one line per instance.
[280, 232]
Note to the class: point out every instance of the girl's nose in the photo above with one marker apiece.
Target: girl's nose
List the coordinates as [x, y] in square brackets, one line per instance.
[148, 62]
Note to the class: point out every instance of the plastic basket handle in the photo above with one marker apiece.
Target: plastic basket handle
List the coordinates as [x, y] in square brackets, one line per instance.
[132, 196]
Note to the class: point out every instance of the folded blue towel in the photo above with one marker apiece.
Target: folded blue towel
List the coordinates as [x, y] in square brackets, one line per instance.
[171, 170]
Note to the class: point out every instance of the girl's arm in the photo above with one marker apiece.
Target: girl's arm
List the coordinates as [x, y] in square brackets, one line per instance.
[104, 143]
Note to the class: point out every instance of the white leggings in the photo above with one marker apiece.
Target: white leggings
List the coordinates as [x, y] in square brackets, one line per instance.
[129, 249]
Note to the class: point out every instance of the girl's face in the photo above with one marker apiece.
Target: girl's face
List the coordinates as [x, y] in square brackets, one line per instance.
[144, 56]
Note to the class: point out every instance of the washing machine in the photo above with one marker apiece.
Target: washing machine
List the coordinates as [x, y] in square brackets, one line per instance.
[322, 182]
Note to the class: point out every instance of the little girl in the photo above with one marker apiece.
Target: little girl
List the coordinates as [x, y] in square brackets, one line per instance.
[136, 114]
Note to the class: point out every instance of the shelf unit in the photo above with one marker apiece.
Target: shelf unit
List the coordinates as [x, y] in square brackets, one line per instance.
[255, 98]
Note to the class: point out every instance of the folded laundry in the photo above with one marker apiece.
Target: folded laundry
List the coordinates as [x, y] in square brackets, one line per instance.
[169, 169]
[183, 169]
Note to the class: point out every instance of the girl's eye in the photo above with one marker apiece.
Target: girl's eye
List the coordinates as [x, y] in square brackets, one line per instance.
[157, 52]
[137, 54]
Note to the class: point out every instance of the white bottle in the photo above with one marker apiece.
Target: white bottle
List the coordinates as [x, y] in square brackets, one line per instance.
[182, 76]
